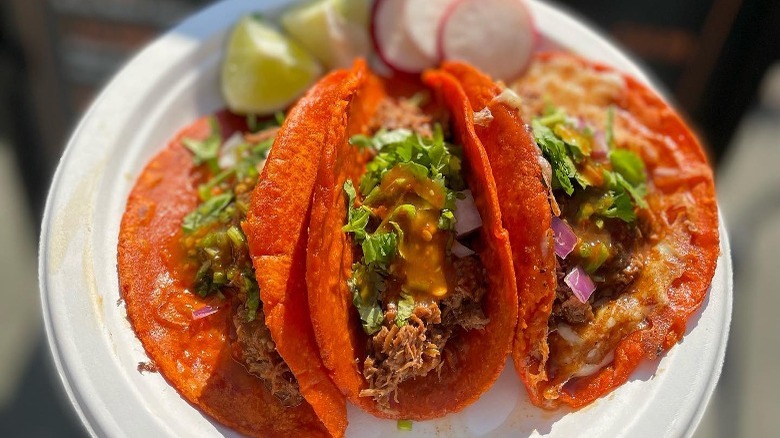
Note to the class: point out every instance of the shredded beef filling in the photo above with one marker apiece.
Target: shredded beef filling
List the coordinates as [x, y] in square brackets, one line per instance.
[397, 354]
[402, 114]
[256, 351]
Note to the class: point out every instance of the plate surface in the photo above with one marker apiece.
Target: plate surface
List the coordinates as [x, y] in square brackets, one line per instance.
[170, 84]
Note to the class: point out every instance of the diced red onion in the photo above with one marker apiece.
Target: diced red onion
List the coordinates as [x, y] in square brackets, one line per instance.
[565, 239]
[204, 312]
[580, 283]
[599, 148]
[466, 215]
[460, 250]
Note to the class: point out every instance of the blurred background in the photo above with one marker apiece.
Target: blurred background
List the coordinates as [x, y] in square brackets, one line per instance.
[719, 59]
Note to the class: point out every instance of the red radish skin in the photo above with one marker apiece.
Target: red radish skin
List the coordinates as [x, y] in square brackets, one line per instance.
[392, 41]
[423, 18]
[496, 36]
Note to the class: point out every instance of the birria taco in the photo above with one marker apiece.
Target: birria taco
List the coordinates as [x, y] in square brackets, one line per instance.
[411, 286]
[232, 332]
[632, 229]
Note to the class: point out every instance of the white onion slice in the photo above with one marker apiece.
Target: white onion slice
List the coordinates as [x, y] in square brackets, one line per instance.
[591, 368]
[227, 155]
[568, 334]
[460, 250]
[467, 217]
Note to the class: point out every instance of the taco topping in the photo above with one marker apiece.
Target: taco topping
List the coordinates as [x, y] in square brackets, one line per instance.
[217, 251]
[411, 291]
[600, 191]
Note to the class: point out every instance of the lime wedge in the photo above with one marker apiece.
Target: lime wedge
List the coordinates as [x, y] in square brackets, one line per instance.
[308, 24]
[335, 31]
[354, 11]
[263, 71]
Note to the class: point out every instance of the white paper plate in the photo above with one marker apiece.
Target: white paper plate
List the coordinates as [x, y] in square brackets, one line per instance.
[167, 86]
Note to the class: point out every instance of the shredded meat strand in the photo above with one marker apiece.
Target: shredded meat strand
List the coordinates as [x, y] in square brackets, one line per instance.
[397, 354]
[256, 351]
[462, 306]
[147, 367]
[397, 114]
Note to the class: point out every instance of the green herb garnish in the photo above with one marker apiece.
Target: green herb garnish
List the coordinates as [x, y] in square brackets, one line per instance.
[554, 149]
[206, 212]
[416, 162]
[206, 151]
[213, 238]
[624, 177]
[357, 218]
[405, 425]
[365, 284]
[404, 309]
[440, 160]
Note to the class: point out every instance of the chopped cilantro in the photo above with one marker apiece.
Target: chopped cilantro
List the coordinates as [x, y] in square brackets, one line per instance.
[566, 148]
[363, 141]
[204, 190]
[617, 205]
[429, 160]
[405, 425]
[213, 239]
[365, 285]
[357, 218]
[554, 149]
[206, 151]
[404, 309]
[379, 249]
[252, 295]
[447, 220]
[637, 192]
[440, 160]
[256, 125]
[206, 212]
[263, 147]
[628, 164]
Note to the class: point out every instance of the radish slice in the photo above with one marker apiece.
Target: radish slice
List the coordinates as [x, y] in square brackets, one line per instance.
[391, 40]
[496, 36]
[423, 18]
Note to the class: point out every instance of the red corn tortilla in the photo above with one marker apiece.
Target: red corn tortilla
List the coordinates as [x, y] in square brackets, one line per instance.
[193, 355]
[276, 229]
[683, 211]
[480, 354]
[513, 157]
